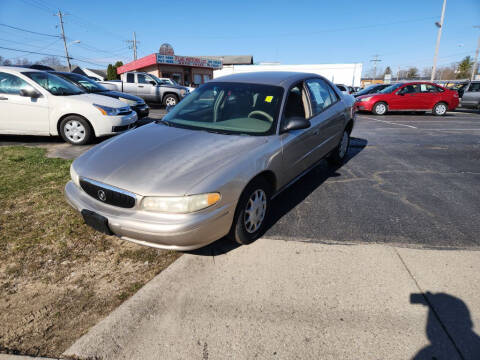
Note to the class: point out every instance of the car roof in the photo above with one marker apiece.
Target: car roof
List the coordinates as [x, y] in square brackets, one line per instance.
[17, 68]
[276, 78]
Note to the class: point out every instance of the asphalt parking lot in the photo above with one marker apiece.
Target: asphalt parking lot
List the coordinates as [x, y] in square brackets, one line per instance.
[410, 179]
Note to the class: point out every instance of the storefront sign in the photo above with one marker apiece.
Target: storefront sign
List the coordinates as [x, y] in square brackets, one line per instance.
[189, 61]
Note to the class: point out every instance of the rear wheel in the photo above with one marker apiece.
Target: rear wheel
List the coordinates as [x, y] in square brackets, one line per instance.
[251, 213]
[337, 157]
[440, 109]
[170, 100]
[380, 108]
[76, 130]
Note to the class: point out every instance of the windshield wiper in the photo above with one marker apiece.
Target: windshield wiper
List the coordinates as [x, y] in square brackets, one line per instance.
[161, 121]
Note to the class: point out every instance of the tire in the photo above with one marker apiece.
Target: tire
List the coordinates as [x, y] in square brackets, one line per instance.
[440, 109]
[76, 130]
[245, 227]
[338, 155]
[170, 100]
[380, 108]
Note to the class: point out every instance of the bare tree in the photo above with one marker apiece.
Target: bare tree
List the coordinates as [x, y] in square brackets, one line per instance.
[427, 72]
[49, 61]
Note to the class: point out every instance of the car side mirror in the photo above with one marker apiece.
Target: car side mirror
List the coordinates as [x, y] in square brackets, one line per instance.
[295, 123]
[151, 82]
[30, 92]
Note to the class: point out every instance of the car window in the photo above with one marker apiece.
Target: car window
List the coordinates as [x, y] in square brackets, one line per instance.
[229, 108]
[319, 94]
[55, 85]
[142, 79]
[474, 87]
[333, 94]
[130, 78]
[341, 87]
[429, 88]
[294, 106]
[11, 84]
[410, 89]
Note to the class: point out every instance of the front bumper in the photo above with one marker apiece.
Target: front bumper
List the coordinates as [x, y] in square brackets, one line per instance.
[165, 231]
[108, 125]
[363, 106]
[141, 110]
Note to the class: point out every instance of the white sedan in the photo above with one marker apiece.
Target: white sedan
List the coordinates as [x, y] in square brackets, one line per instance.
[36, 102]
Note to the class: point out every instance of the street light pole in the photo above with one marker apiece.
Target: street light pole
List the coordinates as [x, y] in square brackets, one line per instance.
[476, 56]
[439, 35]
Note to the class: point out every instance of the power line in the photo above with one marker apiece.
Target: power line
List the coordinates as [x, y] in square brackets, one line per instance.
[45, 54]
[29, 31]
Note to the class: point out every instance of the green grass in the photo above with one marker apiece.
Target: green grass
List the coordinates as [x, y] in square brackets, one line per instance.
[58, 277]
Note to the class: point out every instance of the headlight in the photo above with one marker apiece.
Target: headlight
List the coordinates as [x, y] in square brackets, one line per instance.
[74, 176]
[128, 101]
[183, 92]
[180, 204]
[365, 99]
[105, 110]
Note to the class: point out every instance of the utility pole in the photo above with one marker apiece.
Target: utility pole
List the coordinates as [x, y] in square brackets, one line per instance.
[134, 45]
[476, 56]
[439, 35]
[375, 60]
[60, 16]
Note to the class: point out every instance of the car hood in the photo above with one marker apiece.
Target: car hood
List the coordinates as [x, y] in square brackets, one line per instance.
[159, 160]
[118, 94]
[96, 99]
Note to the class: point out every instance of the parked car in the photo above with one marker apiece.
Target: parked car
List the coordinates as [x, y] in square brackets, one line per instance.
[34, 102]
[169, 81]
[411, 96]
[90, 86]
[148, 87]
[211, 166]
[372, 89]
[470, 97]
[345, 89]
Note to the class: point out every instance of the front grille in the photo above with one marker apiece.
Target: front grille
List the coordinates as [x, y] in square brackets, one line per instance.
[107, 194]
[125, 111]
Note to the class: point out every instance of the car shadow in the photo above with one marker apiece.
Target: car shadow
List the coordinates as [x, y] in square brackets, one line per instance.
[288, 199]
[453, 316]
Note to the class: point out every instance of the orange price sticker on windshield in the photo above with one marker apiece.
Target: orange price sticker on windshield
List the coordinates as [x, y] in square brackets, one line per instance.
[269, 99]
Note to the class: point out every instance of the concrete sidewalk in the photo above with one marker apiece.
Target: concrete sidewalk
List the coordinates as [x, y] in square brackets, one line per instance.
[283, 300]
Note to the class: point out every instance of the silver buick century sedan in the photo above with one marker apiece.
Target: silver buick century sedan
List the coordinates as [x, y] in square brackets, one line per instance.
[212, 165]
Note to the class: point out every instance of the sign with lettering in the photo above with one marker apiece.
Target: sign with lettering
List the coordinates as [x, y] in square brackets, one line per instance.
[189, 61]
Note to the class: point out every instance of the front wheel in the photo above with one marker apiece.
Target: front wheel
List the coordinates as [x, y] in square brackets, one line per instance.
[338, 155]
[251, 213]
[170, 100]
[440, 109]
[380, 108]
[76, 130]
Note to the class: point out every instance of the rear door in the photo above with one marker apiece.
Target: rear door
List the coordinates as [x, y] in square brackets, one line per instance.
[326, 120]
[129, 85]
[429, 96]
[471, 96]
[21, 114]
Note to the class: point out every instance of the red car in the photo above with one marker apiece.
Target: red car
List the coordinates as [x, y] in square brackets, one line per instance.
[412, 96]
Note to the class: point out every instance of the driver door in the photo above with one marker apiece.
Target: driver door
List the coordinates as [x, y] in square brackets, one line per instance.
[295, 143]
[21, 114]
[407, 98]
[145, 87]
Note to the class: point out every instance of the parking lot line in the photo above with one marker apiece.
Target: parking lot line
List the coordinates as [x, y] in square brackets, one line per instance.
[389, 122]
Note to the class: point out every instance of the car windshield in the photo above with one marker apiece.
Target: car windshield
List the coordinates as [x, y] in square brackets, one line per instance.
[390, 88]
[54, 84]
[367, 90]
[229, 108]
[87, 84]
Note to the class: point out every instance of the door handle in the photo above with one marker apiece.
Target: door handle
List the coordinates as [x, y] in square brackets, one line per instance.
[140, 86]
[3, 98]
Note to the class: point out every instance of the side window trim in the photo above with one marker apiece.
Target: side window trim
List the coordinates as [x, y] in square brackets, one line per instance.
[285, 100]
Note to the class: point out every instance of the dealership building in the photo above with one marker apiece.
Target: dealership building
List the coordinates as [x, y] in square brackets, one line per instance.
[185, 70]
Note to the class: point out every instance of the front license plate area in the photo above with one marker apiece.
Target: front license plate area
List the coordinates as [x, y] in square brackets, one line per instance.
[96, 221]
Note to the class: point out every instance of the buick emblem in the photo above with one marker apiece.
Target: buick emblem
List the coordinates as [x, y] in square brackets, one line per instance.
[101, 195]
